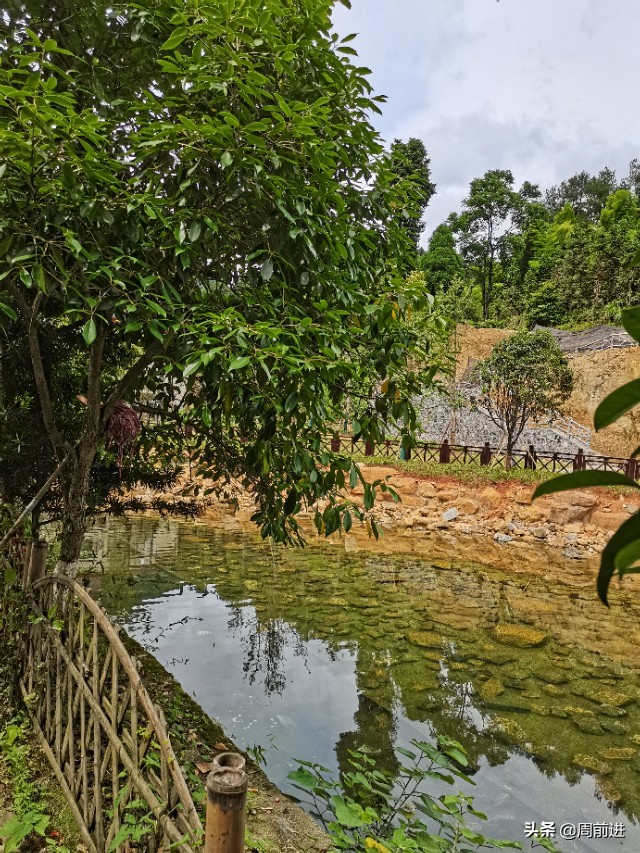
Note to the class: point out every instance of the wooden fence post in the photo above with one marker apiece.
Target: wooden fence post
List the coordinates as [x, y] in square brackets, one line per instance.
[579, 463]
[368, 448]
[485, 454]
[445, 452]
[226, 804]
[335, 444]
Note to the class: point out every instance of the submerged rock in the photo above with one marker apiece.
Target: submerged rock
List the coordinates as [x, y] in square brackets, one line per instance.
[619, 753]
[606, 696]
[588, 725]
[593, 763]
[491, 688]
[426, 639]
[608, 791]
[522, 636]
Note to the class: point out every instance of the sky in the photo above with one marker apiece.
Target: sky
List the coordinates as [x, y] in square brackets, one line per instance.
[545, 88]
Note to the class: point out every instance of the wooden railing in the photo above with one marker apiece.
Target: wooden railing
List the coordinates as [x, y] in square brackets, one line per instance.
[106, 741]
[102, 734]
[445, 453]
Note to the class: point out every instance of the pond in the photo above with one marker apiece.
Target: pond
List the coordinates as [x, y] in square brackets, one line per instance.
[311, 653]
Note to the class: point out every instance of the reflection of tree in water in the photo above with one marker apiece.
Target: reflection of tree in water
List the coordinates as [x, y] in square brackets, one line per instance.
[266, 644]
[375, 721]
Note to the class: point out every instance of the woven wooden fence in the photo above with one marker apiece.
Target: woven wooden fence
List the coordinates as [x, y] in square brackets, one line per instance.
[102, 734]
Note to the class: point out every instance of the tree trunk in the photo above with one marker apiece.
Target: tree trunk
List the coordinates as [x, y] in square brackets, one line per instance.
[75, 491]
[508, 453]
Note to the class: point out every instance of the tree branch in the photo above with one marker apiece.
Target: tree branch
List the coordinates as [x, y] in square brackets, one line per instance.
[132, 375]
[61, 447]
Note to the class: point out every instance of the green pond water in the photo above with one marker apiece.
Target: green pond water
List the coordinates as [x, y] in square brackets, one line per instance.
[311, 653]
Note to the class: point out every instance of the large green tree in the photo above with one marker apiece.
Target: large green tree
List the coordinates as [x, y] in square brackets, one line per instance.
[441, 263]
[411, 161]
[490, 215]
[202, 187]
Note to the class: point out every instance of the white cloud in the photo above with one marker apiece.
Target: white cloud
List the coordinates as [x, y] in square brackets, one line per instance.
[545, 88]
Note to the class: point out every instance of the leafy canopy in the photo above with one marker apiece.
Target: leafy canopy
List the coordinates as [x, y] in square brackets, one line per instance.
[526, 376]
[203, 188]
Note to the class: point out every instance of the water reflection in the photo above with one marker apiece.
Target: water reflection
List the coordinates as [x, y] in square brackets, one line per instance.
[329, 652]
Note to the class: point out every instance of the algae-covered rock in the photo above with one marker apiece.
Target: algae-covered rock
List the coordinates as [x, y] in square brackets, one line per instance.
[608, 791]
[588, 725]
[549, 711]
[606, 695]
[552, 690]
[593, 763]
[623, 753]
[551, 675]
[491, 688]
[522, 636]
[507, 702]
[493, 654]
[615, 727]
[507, 730]
[426, 639]
[610, 711]
[636, 739]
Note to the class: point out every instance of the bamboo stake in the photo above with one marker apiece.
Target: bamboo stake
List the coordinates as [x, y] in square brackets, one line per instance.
[33, 503]
[226, 804]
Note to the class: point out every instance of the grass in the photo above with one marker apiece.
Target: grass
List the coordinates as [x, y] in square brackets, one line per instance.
[41, 818]
[470, 472]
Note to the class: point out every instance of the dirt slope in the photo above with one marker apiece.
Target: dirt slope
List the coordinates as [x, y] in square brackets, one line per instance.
[596, 374]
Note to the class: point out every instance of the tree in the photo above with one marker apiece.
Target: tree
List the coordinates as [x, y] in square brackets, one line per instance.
[410, 161]
[587, 194]
[484, 226]
[441, 263]
[526, 376]
[201, 191]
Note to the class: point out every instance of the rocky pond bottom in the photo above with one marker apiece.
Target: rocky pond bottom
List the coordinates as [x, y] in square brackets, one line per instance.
[310, 653]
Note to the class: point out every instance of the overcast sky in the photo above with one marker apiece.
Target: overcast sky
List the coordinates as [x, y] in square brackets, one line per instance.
[545, 88]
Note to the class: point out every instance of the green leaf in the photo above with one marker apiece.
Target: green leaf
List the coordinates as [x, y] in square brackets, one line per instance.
[347, 521]
[291, 402]
[627, 534]
[38, 277]
[8, 310]
[266, 270]
[353, 477]
[631, 319]
[347, 814]
[89, 332]
[627, 557]
[175, 39]
[617, 404]
[303, 778]
[226, 160]
[583, 480]
[194, 231]
[239, 362]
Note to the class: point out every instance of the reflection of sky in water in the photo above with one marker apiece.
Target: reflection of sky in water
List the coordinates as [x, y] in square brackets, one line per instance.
[265, 684]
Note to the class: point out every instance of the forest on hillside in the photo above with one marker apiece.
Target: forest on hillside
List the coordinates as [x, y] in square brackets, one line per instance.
[565, 257]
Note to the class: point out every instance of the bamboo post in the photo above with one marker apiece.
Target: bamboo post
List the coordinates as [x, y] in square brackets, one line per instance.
[38, 561]
[26, 569]
[226, 805]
